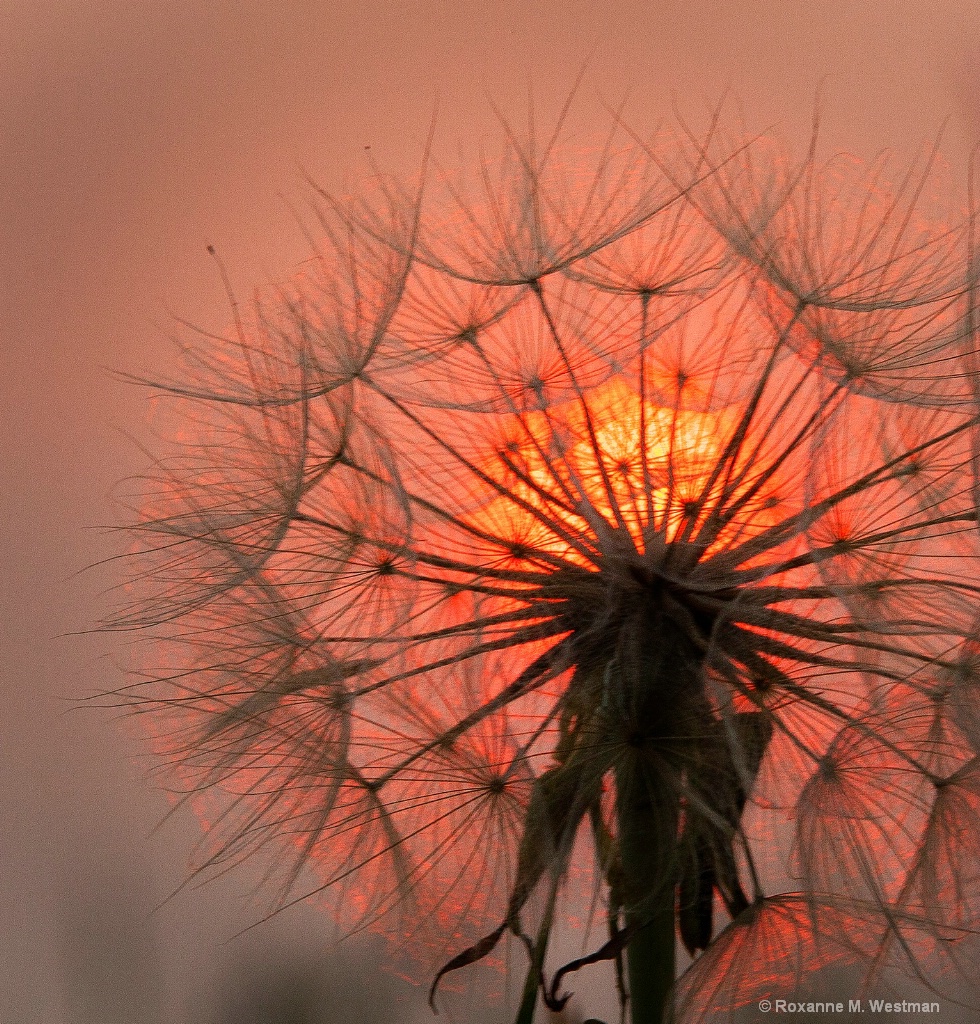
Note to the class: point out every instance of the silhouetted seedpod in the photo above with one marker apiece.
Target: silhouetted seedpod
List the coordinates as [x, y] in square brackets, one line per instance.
[561, 534]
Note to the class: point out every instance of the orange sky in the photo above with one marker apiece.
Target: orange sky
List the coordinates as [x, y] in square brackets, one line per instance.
[133, 135]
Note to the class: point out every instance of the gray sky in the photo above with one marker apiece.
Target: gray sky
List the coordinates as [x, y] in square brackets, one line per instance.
[133, 135]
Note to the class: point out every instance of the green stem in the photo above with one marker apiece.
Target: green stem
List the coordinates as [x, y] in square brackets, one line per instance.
[529, 998]
[647, 815]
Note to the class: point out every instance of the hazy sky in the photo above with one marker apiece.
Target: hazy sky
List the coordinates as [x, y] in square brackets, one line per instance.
[132, 135]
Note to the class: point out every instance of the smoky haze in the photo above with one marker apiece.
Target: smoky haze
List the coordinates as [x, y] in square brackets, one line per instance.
[131, 136]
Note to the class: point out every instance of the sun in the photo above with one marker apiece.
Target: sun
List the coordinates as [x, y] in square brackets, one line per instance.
[612, 461]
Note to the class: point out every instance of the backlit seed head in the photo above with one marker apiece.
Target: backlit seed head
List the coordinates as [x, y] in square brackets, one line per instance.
[657, 476]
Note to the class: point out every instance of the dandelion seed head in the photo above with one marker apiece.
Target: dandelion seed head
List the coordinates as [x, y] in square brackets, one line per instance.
[574, 526]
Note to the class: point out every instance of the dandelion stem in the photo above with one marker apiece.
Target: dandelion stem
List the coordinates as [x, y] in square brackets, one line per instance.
[648, 813]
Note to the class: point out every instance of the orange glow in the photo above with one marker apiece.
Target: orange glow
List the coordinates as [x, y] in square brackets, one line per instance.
[659, 471]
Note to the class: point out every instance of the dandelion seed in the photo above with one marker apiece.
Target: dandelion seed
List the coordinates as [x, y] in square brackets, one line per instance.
[560, 527]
